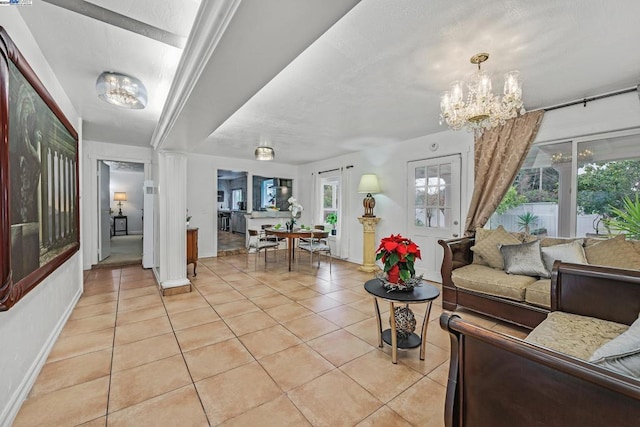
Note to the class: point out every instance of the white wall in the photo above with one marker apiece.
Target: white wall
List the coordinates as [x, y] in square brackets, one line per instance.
[202, 191]
[92, 152]
[390, 165]
[30, 328]
[130, 182]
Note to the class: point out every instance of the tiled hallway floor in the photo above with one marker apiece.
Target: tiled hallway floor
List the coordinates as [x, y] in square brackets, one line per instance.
[247, 347]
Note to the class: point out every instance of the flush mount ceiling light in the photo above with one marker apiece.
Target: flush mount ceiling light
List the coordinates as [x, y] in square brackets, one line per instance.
[121, 90]
[264, 153]
[482, 109]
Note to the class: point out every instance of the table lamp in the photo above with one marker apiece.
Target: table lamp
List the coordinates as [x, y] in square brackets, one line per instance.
[120, 197]
[369, 184]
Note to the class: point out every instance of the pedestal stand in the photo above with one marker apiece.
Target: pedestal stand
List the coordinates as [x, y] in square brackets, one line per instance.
[369, 244]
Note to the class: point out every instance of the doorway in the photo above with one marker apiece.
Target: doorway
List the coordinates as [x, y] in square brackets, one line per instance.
[120, 213]
[433, 207]
[231, 210]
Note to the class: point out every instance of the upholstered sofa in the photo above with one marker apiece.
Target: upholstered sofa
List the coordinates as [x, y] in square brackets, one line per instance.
[546, 379]
[476, 279]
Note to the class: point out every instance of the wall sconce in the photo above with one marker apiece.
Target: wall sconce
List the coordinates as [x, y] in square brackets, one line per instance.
[369, 184]
[120, 197]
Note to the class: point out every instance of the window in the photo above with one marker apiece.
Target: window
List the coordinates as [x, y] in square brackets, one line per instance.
[329, 196]
[236, 196]
[268, 193]
[604, 171]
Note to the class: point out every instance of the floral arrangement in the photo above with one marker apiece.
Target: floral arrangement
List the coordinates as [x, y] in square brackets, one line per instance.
[295, 207]
[398, 255]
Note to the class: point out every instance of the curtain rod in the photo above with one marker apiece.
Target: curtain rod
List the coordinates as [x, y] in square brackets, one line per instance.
[330, 170]
[592, 98]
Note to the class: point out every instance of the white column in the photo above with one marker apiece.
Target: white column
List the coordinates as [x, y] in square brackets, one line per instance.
[172, 191]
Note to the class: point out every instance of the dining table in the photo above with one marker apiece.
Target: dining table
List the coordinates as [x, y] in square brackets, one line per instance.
[292, 235]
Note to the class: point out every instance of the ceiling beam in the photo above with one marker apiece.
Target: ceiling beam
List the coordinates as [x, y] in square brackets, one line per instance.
[121, 21]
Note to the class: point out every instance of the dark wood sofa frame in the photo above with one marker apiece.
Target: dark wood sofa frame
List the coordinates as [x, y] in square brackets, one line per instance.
[497, 380]
[457, 253]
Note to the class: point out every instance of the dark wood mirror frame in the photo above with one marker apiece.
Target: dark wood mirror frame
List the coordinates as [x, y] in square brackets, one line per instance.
[40, 229]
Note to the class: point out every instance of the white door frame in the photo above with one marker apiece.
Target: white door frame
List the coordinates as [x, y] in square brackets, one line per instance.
[94, 218]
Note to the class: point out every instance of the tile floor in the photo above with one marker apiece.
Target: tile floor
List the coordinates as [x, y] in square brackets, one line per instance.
[247, 347]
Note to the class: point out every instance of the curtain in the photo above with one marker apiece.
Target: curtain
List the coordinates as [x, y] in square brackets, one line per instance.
[499, 154]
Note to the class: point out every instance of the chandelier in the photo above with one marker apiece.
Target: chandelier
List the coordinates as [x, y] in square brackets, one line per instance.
[121, 90]
[264, 153]
[584, 156]
[481, 109]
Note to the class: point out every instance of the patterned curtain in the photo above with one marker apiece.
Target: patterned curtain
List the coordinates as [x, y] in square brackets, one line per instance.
[499, 154]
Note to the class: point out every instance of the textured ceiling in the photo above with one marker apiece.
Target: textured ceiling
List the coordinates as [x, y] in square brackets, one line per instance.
[371, 79]
[376, 76]
[79, 48]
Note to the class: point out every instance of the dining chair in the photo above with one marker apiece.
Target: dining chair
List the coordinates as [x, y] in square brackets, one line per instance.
[316, 245]
[258, 243]
[268, 235]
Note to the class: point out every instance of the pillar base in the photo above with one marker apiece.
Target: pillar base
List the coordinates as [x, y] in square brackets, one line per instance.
[369, 268]
[176, 286]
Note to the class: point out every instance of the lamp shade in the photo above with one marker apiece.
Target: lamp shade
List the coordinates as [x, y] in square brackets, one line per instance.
[120, 197]
[369, 184]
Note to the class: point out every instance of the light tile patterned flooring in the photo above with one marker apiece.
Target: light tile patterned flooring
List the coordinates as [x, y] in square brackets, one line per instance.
[247, 347]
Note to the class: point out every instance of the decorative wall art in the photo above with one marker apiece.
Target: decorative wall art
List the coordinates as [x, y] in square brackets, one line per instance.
[39, 211]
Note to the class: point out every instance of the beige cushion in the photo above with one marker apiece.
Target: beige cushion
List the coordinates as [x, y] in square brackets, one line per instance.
[621, 354]
[539, 293]
[524, 258]
[616, 252]
[487, 280]
[552, 241]
[567, 252]
[577, 336]
[487, 242]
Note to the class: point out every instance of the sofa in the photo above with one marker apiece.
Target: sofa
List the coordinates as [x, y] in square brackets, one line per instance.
[474, 275]
[547, 379]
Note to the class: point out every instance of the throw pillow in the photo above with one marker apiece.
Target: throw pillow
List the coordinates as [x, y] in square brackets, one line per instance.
[616, 252]
[567, 252]
[621, 354]
[487, 245]
[524, 259]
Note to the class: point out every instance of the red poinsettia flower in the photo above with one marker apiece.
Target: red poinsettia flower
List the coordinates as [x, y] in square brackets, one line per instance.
[398, 254]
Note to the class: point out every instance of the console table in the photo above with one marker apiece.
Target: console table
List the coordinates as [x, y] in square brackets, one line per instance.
[423, 293]
[192, 248]
[120, 224]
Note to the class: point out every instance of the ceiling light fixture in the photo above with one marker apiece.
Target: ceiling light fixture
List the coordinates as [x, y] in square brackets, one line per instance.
[482, 109]
[584, 156]
[121, 90]
[264, 153]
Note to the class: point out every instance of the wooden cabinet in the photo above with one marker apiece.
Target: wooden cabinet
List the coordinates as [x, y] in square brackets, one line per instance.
[192, 248]
[120, 224]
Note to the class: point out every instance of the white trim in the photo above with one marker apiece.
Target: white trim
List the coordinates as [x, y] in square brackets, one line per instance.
[22, 391]
[210, 24]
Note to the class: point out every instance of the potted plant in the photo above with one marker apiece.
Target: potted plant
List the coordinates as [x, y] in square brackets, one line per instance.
[332, 219]
[526, 220]
[398, 255]
[627, 219]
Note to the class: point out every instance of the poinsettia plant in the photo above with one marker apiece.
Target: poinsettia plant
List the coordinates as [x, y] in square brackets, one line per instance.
[398, 254]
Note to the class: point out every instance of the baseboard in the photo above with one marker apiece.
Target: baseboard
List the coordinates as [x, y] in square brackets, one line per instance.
[21, 393]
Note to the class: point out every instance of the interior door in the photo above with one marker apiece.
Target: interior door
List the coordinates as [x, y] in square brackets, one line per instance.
[104, 211]
[433, 208]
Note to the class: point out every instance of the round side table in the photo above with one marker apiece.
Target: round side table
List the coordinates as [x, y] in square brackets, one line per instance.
[420, 294]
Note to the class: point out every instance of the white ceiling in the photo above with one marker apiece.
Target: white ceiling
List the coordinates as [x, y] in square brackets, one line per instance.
[373, 78]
